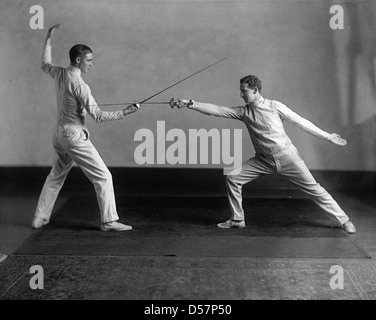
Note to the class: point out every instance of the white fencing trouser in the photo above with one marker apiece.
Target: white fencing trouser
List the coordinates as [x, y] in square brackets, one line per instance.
[289, 164]
[72, 145]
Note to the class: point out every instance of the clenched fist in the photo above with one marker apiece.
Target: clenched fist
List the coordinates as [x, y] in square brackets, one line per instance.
[180, 103]
[132, 108]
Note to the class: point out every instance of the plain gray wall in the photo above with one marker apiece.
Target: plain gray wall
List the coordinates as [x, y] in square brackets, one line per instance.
[141, 47]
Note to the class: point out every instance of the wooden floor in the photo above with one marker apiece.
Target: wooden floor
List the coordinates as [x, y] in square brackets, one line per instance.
[237, 277]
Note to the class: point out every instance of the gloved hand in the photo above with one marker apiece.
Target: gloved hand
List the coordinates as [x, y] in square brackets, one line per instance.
[180, 103]
[131, 108]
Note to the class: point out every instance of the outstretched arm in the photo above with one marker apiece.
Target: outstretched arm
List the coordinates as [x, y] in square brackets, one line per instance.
[306, 125]
[47, 56]
[84, 96]
[209, 109]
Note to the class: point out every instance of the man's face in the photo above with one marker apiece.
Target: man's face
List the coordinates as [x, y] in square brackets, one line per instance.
[86, 62]
[248, 94]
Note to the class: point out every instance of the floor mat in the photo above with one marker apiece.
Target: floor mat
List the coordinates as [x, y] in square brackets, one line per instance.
[175, 226]
[184, 278]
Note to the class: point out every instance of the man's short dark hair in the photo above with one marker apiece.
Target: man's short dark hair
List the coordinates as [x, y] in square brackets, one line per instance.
[252, 82]
[78, 50]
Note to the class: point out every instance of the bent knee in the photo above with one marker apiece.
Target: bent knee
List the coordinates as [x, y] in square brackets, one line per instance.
[233, 180]
[105, 175]
[230, 179]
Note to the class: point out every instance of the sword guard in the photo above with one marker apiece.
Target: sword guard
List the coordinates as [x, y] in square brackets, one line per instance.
[172, 103]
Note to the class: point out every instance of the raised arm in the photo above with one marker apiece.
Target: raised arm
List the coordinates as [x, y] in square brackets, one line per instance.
[306, 125]
[47, 56]
[210, 109]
